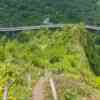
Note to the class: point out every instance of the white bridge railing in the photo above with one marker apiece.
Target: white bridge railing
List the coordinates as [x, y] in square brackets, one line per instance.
[26, 28]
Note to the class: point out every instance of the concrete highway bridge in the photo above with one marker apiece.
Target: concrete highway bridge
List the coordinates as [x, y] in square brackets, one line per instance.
[50, 26]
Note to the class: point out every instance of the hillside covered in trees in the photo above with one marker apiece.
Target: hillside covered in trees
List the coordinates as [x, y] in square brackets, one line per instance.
[69, 56]
[32, 12]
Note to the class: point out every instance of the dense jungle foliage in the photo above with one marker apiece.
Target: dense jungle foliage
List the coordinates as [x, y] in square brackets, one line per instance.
[32, 12]
[69, 51]
[70, 54]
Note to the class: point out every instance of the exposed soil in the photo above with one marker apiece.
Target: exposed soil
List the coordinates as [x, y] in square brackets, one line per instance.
[42, 91]
[39, 90]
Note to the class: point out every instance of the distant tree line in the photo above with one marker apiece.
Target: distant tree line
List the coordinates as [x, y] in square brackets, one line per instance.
[30, 12]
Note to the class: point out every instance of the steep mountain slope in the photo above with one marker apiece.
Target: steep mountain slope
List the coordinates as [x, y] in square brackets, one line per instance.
[29, 55]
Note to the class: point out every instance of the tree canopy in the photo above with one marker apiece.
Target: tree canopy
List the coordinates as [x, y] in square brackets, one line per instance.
[30, 12]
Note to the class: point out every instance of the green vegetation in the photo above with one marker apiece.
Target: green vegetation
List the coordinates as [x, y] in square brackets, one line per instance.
[71, 54]
[35, 53]
[32, 12]
[97, 53]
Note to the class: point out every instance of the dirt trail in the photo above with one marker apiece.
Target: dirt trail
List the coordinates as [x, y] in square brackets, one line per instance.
[39, 90]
